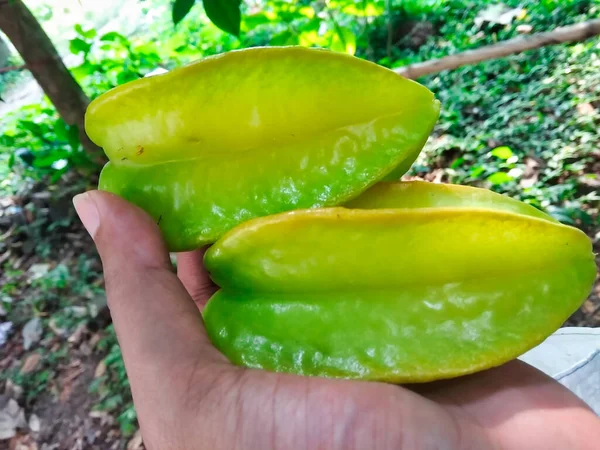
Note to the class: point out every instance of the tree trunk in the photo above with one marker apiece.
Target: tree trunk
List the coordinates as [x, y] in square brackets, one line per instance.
[46, 65]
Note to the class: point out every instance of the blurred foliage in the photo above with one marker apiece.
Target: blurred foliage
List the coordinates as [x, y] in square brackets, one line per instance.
[112, 387]
[48, 293]
[529, 103]
[12, 77]
[526, 125]
[225, 14]
[543, 106]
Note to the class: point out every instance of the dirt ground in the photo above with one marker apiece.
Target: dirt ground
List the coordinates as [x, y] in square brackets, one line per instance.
[63, 415]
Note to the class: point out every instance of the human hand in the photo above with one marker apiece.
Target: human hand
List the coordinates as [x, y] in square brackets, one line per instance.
[188, 396]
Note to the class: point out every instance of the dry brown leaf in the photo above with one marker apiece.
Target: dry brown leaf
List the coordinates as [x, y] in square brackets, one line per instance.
[136, 442]
[65, 393]
[95, 339]
[585, 109]
[78, 334]
[100, 369]
[31, 363]
[22, 442]
[12, 390]
[104, 417]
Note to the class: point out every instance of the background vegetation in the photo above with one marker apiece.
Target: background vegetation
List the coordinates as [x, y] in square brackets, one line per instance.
[526, 126]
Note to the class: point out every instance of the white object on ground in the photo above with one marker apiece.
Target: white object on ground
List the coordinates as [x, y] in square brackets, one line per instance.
[4, 331]
[572, 357]
[32, 332]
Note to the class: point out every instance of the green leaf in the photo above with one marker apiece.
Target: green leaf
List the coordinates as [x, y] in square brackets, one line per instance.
[84, 70]
[260, 18]
[86, 34]
[112, 36]
[180, 9]
[284, 38]
[369, 10]
[457, 162]
[344, 41]
[11, 160]
[502, 152]
[78, 45]
[33, 127]
[73, 137]
[225, 14]
[61, 130]
[499, 178]
[308, 38]
[47, 159]
[57, 175]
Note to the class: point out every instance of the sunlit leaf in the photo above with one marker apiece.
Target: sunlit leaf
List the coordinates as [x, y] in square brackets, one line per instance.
[258, 19]
[370, 10]
[476, 171]
[307, 11]
[225, 14]
[344, 41]
[83, 70]
[308, 38]
[502, 152]
[499, 178]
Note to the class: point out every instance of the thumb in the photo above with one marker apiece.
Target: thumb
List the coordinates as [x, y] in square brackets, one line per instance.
[158, 326]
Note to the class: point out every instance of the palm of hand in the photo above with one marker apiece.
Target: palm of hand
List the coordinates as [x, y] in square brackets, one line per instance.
[188, 396]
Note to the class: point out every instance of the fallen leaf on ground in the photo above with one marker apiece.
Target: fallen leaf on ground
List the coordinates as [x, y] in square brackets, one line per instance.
[78, 334]
[585, 109]
[95, 339]
[100, 369]
[32, 332]
[104, 417]
[135, 443]
[35, 424]
[12, 390]
[38, 271]
[22, 442]
[31, 363]
[12, 418]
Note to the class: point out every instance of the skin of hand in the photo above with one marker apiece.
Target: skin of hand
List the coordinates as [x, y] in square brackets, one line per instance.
[188, 396]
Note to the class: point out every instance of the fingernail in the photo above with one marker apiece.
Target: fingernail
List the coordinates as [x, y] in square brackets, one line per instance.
[87, 212]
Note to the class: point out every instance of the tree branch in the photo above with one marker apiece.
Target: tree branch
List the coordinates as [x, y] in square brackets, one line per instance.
[572, 33]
